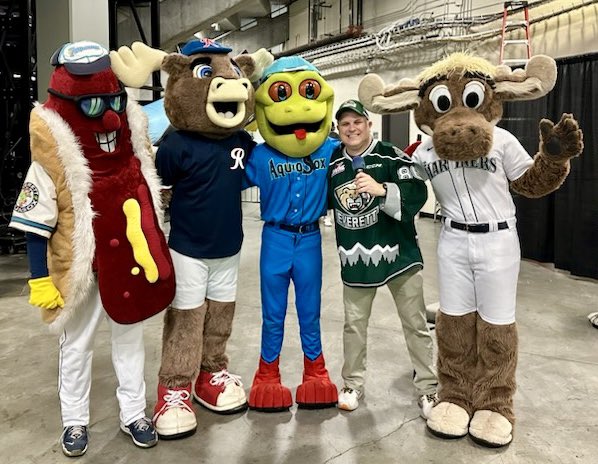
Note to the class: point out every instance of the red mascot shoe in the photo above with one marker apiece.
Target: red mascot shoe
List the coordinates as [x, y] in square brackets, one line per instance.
[267, 392]
[221, 392]
[316, 391]
[173, 415]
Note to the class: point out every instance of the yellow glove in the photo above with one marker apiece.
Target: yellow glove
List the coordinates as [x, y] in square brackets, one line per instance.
[44, 293]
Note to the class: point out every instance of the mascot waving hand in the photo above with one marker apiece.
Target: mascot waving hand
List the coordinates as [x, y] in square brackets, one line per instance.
[471, 164]
[294, 116]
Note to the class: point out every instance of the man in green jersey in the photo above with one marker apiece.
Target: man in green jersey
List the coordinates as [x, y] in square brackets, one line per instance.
[375, 191]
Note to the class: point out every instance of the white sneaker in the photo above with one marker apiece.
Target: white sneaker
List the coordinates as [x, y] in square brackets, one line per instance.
[426, 403]
[348, 399]
[593, 318]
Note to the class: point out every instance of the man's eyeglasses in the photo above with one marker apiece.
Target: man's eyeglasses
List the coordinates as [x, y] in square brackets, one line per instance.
[95, 105]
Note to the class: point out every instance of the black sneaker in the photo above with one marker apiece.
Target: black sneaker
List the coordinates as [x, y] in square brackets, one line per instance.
[74, 440]
[142, 432]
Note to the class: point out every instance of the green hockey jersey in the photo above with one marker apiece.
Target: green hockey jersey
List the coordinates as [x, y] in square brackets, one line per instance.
[376, 236]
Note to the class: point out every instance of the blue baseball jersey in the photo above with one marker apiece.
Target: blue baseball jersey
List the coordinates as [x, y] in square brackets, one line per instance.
[206, 177]
[292, 190]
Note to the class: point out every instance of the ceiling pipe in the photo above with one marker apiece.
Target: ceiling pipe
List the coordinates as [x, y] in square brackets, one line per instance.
[362, 49]
[317, 44]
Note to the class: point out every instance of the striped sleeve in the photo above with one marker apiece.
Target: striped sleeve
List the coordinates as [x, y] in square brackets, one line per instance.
[36, 210]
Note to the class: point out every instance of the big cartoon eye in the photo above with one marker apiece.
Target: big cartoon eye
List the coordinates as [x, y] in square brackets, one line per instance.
[202, 71]
[441, 98]
[473, 94]
[280, 91]
[310, 89]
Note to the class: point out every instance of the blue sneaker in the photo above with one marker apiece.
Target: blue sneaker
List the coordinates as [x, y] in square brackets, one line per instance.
[142, 432]
[74, 440]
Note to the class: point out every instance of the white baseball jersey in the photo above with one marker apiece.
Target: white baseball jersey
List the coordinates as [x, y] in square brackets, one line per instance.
[36, 209]
[476, 191]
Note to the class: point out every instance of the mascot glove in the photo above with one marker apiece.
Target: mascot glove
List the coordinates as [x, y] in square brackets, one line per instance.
[44, 293]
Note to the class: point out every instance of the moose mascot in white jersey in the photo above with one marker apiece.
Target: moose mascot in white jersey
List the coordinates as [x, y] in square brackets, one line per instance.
[471, 164]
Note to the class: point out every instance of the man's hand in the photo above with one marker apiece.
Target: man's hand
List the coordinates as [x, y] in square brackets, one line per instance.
[44, 293]
[366, 184]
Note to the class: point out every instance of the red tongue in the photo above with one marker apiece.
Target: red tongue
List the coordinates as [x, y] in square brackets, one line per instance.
[300, 134]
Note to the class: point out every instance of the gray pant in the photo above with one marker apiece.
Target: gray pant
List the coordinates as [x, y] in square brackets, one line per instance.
[407, 292]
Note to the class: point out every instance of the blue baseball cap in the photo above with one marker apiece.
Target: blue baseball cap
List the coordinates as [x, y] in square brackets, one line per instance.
[81, 58]
[204, 45]
[288, 64]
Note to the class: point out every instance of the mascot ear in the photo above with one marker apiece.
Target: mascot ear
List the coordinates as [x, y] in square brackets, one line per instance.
[253, 65]
[246, 63]
[176, 64]
[382, 99]
[535, 81]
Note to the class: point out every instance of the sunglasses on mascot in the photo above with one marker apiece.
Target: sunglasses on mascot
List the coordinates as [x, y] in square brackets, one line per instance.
[96, 104]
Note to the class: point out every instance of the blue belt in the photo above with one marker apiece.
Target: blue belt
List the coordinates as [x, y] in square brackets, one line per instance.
[302, 229]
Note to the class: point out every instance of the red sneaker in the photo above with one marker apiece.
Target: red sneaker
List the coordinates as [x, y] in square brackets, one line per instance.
[221, 392]
[267, 392]
[316, 391]
[173, 414]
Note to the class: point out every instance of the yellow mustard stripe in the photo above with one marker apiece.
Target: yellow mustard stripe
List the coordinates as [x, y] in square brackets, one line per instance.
[137, 240]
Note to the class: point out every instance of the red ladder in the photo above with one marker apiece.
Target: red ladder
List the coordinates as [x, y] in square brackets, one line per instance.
[511, 8]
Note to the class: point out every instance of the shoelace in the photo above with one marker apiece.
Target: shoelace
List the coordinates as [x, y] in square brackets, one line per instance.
[431, 397]
[176, 399]
[349, 391]
[75, 432]
[141, 424]
[225, 378]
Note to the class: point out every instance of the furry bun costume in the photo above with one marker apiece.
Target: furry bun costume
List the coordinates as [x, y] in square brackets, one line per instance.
[92, 199]
[471, 164]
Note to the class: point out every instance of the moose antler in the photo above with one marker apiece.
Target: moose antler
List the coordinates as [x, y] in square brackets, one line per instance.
[134, 65]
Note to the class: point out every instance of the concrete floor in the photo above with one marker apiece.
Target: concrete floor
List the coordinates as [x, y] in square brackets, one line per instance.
[555, 402]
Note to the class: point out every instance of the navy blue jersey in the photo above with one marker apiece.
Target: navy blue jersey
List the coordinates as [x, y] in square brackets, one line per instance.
[205, 175]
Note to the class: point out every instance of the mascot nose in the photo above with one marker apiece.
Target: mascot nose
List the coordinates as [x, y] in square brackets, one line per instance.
[111, 121]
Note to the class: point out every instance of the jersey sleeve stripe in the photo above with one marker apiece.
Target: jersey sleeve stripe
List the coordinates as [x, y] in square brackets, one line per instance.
[35, 225]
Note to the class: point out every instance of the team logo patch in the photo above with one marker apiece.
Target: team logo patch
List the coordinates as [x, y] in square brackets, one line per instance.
[338, 169]
[28, 198]
[353, 213]
[237, 154]
[351, 201]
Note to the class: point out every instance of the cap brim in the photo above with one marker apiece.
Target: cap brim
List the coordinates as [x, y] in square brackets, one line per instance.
[84, 69]
[352, 110]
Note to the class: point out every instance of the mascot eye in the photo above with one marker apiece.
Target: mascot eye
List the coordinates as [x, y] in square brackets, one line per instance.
[202, 71]
[473, 94]
[280, 91]
[310, 89]
[238, 70]
[117, 104]
[93, 106]
[441, 98]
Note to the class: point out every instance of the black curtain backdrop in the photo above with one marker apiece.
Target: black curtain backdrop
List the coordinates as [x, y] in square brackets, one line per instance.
[562, 228]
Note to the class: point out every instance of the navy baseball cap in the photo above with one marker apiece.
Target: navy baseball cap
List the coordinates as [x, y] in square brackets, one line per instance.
[81, 58]
[204, 45]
